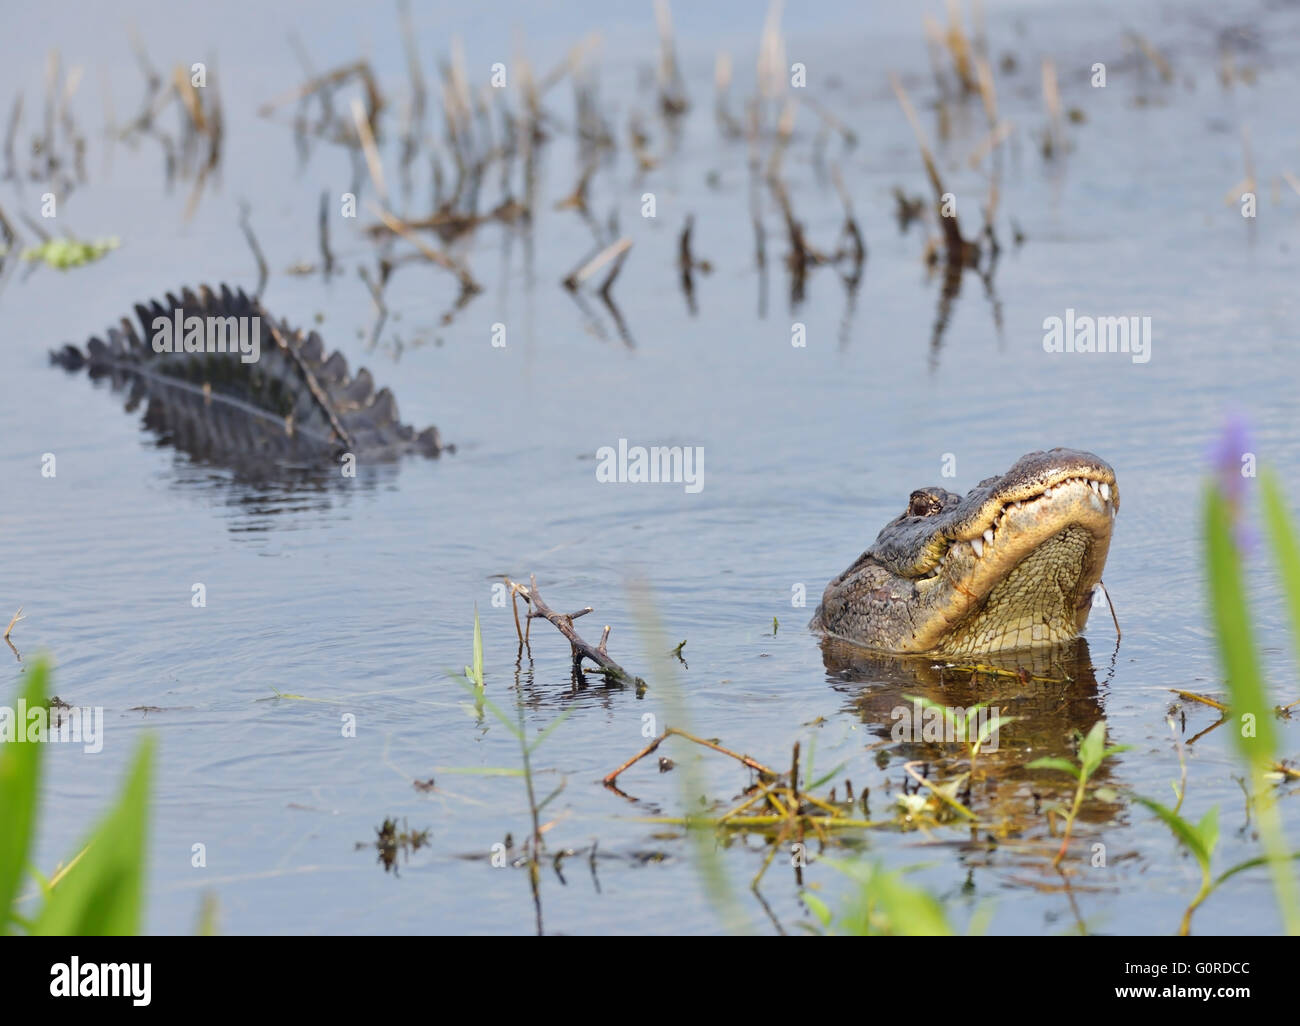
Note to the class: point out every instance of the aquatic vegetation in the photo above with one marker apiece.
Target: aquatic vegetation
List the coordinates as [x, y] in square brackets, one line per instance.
[63, 254]
[101, 890]
[1092, 753]
[474, 673]
[975, 730]
[391, 842]
[1227, 541]
[882, 903]
[1256, 737]
[474, 682]
[774, 804]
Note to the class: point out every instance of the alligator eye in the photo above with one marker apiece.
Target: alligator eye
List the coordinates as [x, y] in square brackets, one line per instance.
[923, 504]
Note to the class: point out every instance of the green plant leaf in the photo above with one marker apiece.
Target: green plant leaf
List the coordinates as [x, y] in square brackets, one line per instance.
[1208, 829]
[1190, 835]
[1241, 867]
[885, 904]
[992, 726]
[821, 912]
[478, 650]
[1052, 762]
[550, 729]
[949, 717]
[1286, 552]
[1092, 749]
[476, 693]
[1235, 635]
[20, 771]
[103, 894]
[824, 777]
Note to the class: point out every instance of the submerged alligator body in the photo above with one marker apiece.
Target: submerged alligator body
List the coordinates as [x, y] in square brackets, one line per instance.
[225, 382]
[1011, 566]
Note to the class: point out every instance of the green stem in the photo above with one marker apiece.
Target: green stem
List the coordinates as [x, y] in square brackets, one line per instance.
[1270, 832]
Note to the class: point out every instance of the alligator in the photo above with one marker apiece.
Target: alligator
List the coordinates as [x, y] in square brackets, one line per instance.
[245, 389]
[1013, 565]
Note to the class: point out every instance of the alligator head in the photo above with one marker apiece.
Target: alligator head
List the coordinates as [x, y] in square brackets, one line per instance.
[1012, 565]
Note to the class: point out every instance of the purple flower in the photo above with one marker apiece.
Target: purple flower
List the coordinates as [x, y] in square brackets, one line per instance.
[1232, 470]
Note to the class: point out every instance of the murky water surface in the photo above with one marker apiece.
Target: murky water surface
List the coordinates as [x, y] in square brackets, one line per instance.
[360, 595]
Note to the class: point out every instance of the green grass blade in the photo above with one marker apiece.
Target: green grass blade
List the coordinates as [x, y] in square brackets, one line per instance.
[103, 894]
[1286, 552]
[20, 770]
[550, 729]
[1092, 749]
[1232, 623]
[1208, 829]
[478, 650]
[817, 907]
[1184, 831]
[1241, 867]
[1052, 762]
[476, 693]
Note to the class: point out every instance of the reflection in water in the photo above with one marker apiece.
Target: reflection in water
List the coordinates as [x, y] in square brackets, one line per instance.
[241, 457]
[1053, 697]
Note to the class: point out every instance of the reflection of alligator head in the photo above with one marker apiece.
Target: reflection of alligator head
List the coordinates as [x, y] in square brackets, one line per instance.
[1010, 566]
[1050, 692]
[277, 401]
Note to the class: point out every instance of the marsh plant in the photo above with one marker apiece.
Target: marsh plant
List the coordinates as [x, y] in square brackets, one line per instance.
[1255, 735]
[474, 682]
[1092, 753]
[978, 727]
[100, 891]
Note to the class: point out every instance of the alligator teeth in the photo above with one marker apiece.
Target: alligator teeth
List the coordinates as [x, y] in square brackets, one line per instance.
[1092, 484]
[978, 545]
[1047, 493]
[1105, 491]
[988, 536]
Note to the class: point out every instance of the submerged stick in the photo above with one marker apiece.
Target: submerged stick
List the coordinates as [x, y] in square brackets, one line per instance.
[327, 257]
[262, 272]
[443, 260]
[616, 250]
[367, 138]
[960, 252]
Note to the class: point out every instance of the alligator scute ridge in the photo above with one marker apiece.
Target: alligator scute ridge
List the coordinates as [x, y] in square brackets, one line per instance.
[296, 403]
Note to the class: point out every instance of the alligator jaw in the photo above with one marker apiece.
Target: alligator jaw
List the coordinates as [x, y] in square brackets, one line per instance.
[1012, 565]
[1026, 579]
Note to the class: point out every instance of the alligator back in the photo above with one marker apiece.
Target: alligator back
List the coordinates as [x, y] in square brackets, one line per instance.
[226, 382]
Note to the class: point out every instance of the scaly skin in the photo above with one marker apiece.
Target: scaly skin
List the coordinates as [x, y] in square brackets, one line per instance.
[1011, 566]
[297, 405]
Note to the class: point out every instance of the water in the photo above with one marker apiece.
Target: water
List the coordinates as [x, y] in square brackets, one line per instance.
[361, 598]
